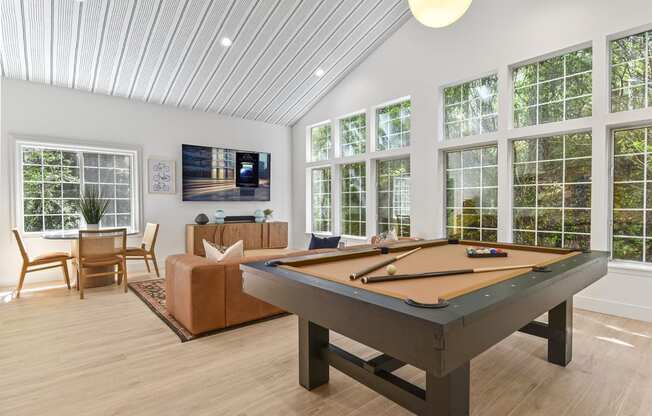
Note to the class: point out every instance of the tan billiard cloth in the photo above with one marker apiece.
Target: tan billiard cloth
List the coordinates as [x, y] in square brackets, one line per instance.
[430, 259]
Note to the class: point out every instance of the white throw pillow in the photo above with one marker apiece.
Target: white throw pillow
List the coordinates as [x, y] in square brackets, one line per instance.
[391, 236]
[236, 251]
[212, 252]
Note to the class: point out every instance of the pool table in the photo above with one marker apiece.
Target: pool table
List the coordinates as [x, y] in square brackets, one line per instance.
[437, 324]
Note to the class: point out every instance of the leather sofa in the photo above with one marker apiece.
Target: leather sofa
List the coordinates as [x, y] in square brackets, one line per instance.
[203, 295]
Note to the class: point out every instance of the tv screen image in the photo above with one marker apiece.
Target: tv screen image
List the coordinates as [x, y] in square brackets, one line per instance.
[246, 165]
[218, 174]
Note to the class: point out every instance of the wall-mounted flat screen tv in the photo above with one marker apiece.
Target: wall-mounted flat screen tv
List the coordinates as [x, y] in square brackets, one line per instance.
[216, 174]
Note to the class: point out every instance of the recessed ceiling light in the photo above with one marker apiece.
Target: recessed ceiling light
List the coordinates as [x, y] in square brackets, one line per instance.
[226, 42]
[319, 72]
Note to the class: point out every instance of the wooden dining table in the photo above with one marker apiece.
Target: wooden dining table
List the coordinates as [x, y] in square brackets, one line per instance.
[73, 237]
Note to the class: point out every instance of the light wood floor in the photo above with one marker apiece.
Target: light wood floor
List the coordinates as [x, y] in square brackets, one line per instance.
[109, 355]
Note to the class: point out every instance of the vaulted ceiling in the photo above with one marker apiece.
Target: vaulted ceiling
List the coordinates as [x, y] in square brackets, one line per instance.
[170, 51]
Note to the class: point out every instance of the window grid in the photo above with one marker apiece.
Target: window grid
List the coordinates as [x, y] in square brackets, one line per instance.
[353, 199]
[575, 102]
[393, 188]
[574, 233]
[353, 135]
[393, 123]
[321, 200]
[461, 118]
[46, 205]
[110, 175]
[460, 210]
[320, 142]
[632, 219]
[53, 205]
[630, 89]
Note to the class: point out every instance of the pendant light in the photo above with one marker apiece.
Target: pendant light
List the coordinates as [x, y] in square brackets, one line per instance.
[438, 13]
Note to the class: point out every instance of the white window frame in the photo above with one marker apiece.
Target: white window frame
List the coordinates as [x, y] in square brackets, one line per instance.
[74, 146]
[444, 170]
[563, 208]
[372, 123]
[442, 107]
[375, 207]
[365, 192]
[644, 264]
[560, 52]
[338, 135]
[309, 206]
[309, 142]
[617, 36]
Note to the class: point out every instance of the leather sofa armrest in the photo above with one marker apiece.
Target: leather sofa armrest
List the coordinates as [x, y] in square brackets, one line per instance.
[196, 290]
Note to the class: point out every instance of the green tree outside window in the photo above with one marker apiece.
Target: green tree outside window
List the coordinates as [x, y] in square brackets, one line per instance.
[472, 194]
[393, 123]
[555, 89]
[354, 199]
[552, 191]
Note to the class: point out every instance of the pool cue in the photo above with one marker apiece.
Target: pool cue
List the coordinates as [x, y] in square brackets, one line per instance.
[389, 278]
[373, 267]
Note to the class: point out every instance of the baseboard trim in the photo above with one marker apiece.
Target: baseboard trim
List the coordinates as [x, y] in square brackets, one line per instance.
[625, 310]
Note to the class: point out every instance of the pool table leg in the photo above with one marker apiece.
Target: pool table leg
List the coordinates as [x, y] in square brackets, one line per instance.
[560, 340]
[449, 395]
[313, 366]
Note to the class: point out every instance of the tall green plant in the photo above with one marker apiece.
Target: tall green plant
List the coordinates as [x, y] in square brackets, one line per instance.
[92, 206]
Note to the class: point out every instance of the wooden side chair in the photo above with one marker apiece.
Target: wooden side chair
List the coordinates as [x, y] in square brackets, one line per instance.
[146, 251]
[102, 253]
[43, 262]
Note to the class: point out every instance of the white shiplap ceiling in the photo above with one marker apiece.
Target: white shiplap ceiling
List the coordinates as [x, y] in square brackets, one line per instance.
[169, 51]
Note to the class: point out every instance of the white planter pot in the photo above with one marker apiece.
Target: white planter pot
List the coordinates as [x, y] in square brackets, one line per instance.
[92, 226]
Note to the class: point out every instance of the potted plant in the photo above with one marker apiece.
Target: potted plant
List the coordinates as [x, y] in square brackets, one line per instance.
[92, 207]
[268, 214]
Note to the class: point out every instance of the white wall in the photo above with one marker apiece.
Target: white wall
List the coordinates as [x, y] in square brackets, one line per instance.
[492, 36]
[39, 110]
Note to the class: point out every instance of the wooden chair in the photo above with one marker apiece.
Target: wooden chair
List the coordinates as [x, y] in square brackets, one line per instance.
[146, 250]
[42, 262]
[102, 253]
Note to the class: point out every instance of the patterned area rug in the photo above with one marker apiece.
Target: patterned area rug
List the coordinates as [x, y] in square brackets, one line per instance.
[152, 293]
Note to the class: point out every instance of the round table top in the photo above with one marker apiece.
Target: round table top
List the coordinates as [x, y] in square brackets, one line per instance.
[70, 235]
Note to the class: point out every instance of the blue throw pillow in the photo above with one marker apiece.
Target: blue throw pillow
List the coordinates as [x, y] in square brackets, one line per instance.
[326, 242]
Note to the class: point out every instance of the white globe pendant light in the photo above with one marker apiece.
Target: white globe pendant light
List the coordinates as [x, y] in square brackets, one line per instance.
[438, 13]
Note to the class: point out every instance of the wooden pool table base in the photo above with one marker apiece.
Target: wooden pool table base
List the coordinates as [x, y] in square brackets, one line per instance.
[448, 395]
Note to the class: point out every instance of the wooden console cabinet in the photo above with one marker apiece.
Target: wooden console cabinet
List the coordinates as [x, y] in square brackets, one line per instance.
[254, 235]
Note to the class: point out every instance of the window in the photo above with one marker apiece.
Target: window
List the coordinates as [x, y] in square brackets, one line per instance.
[471, 108]
[393, 126]
[631, 72]
[632, 195]
[472, 194]
[321, 200]
[555, 89]
[354, 199]
[353, 135]
[54, 176]
[320, 143]
[552, 191]
[393, 184]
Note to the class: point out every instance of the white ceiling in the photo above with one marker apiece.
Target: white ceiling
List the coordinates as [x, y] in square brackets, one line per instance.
[169, 52]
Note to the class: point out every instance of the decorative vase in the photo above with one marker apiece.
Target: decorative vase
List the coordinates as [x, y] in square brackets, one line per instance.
[201, 219]
[269, 218]
[219, 216]
[260, 217]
